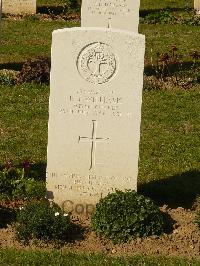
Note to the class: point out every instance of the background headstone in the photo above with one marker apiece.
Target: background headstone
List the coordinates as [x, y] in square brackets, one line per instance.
[121, 14]
[94, 114]
[197, 6]
[19, 6]
[0, 9]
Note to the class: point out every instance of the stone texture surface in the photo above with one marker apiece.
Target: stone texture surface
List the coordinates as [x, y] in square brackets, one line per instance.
[121, 14]
[19, 6]
[94, 114]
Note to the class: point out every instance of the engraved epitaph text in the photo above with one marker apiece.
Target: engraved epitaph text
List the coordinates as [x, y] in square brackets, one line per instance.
[19, 6]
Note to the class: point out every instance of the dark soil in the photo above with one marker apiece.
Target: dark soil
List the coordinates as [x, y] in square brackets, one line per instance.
[183, 240]
[74, 17]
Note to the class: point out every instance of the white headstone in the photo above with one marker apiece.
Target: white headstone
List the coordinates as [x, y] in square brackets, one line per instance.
[19, 6]
[121, 14]
[0, 9]
[197, 6]
[94, 114]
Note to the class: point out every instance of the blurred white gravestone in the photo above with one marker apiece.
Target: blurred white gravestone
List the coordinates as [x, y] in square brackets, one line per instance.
[121, 14]
[197, 6]
[0, 9]
[94, 114]
[19, 6]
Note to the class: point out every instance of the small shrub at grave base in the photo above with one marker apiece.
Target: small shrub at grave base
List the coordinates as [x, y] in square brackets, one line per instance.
[164, 16]
[42, 220]
[6, 80]
[29, 188]
[35, 70]
[20, 182]
[121, 216]
[8, 77]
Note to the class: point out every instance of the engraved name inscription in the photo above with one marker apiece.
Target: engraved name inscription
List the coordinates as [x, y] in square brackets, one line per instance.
[18, 3]
[86, 102]
[109, 8]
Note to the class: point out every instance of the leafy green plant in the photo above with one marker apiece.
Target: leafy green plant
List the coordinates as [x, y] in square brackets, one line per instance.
[162, 17]
[35, 70]
[20, 182]
[121, 216]
[191, 19]
[167, 16]
[6, 80]
[42, 220]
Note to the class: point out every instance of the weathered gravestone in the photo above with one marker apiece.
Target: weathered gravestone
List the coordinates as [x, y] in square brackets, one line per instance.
[94, 114]
[197, 6]
[19, 6]
[121, 14]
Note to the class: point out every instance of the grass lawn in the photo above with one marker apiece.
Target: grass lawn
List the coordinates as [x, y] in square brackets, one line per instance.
[170, 4]
[23, 258]
[23, 122]
[18, 44]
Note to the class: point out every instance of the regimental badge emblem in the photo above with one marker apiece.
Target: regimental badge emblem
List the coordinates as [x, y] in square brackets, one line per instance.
[96, 63]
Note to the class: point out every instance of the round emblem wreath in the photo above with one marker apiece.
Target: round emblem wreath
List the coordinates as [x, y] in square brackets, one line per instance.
[96, 63]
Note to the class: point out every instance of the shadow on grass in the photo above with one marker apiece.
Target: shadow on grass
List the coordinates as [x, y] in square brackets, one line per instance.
[76, 232]
[56, 10]
[59, 9]
[7, 216]
[176, 191]
[40, 169]
[12, 66]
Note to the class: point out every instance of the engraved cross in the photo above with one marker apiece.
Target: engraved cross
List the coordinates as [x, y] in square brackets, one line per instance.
[93, 140]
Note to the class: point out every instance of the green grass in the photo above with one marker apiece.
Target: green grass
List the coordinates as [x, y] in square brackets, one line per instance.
[23, 122]
[21, 40]
[160, 38]
[169, 151]
[170, 133]
[18, 44]
[170, 4]
[23, 258]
